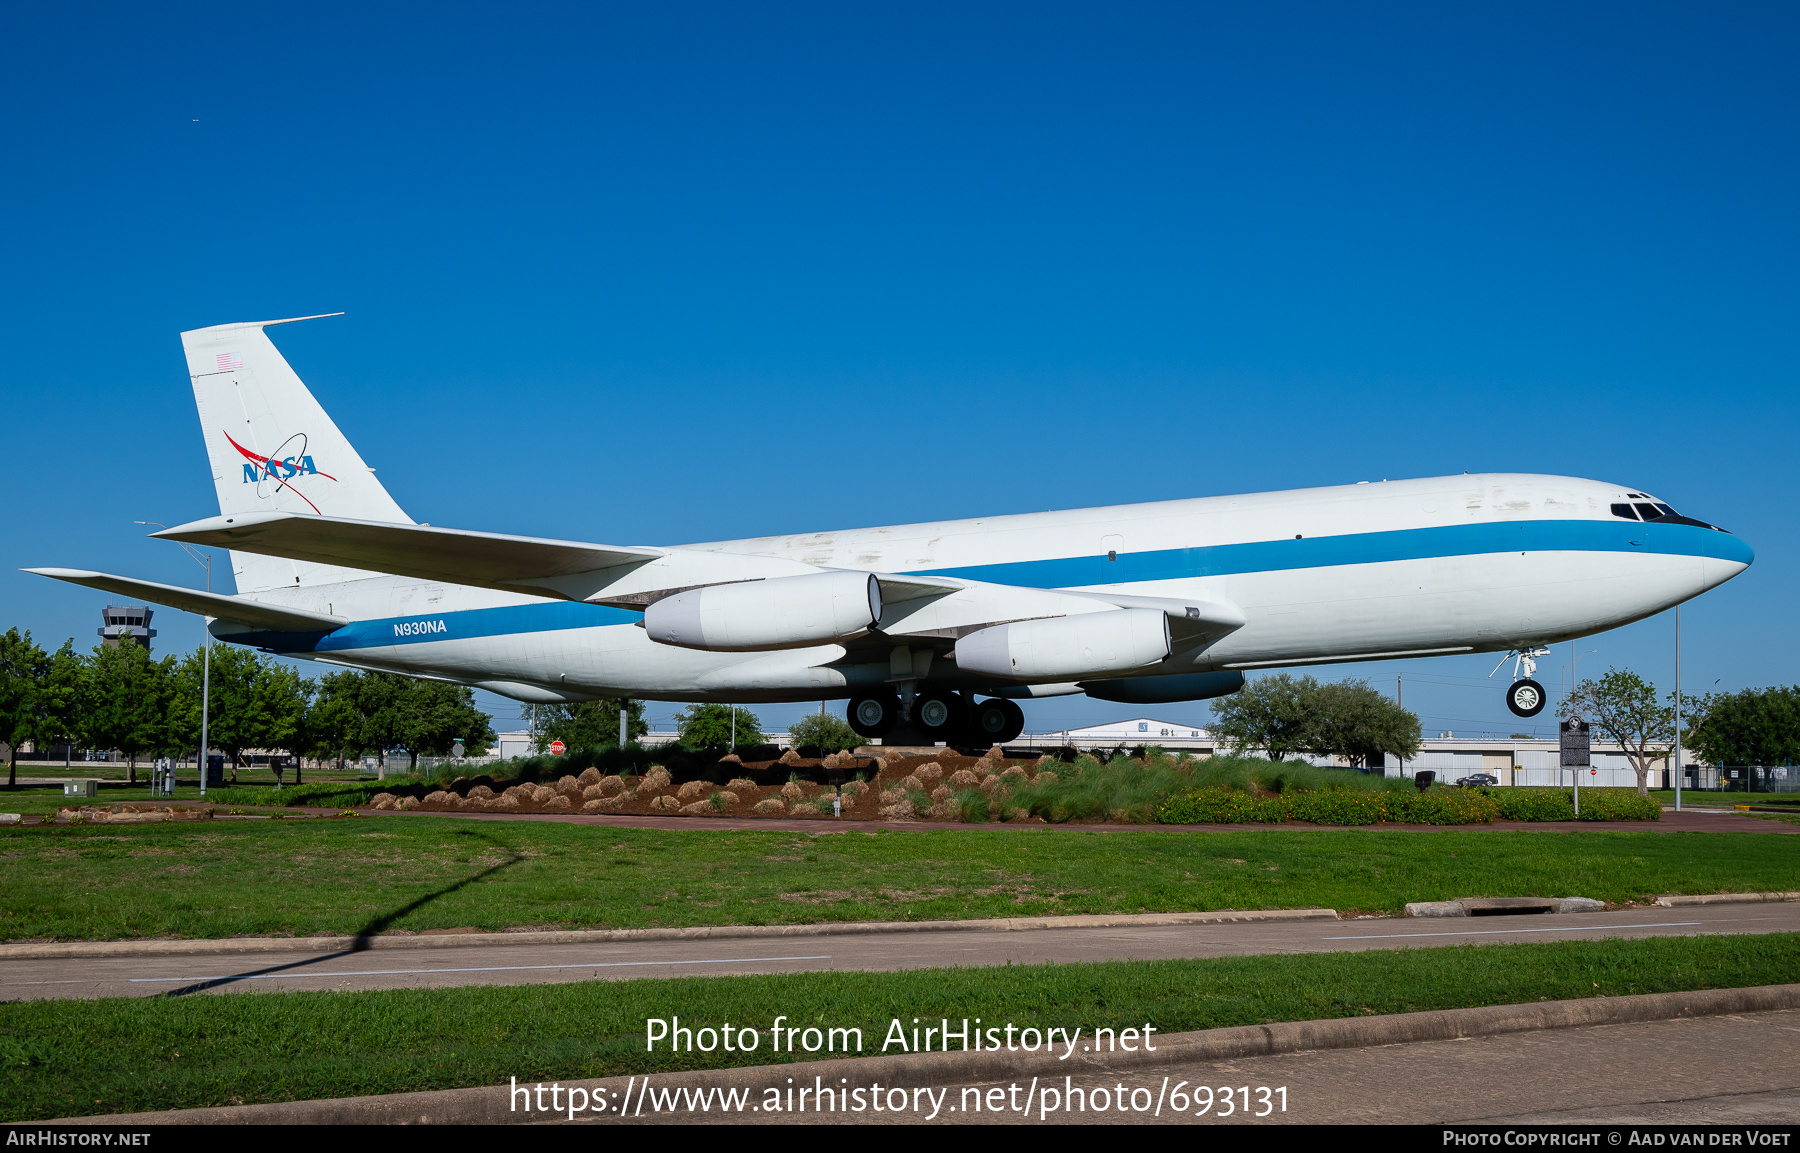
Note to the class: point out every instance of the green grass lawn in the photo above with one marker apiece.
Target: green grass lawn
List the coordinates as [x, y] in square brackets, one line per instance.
[42, 800]
[61, 1058]
[220, 879]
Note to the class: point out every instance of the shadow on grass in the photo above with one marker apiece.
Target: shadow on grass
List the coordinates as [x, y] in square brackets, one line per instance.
[364, 937]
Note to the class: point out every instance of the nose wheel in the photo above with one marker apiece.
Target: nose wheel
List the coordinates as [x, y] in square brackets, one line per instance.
[1526, 698]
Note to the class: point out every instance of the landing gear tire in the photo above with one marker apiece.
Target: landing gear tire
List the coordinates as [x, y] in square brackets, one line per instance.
[996, 721]
[937, 715]
[873, 715]
[1526, 698]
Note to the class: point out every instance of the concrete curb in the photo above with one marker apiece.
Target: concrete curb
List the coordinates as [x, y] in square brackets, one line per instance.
[489, 1105]
[1676, 900]
[66, 949]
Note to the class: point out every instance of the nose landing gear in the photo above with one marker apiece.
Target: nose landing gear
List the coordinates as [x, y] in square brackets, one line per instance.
[1525, 697]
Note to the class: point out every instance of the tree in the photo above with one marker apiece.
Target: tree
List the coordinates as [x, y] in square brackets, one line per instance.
[56, 701]
[584, 724]
[1354, 721]
[711, 727]
[22, 666]
[329, 726]
[1751, 727]
[378, 704]
[254, 702]
[1624, 706]
[126, 699]
[826, 731]
[435, 715]
[1272, 713]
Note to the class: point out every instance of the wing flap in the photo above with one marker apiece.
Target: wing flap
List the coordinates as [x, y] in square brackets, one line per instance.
[258, 614]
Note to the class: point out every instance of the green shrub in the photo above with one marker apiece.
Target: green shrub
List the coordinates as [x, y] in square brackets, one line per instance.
[1553, 804]
[1218, 805]
[1214, 804]
[1441, 806]
[1531, 804]
[1338, 806]
[1618, 805]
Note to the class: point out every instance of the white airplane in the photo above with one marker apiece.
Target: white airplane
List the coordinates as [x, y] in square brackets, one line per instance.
[942, 625]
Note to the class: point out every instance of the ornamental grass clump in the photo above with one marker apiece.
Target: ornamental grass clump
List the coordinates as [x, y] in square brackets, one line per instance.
[971, 805]
[1088, 789]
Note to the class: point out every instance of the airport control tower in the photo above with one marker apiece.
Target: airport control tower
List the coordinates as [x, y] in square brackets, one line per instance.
[126, 623]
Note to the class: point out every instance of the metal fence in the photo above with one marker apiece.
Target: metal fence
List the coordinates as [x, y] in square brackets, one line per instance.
[1743, 778]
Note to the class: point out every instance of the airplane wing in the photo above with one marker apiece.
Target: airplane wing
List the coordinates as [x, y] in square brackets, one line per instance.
[933, 611]
[257, 614]
[625, 576]
[553, 568]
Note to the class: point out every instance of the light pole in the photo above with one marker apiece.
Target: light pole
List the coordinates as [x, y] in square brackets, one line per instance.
[1679, 772]
[204, 560]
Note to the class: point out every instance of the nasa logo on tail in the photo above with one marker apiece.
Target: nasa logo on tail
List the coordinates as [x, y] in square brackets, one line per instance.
[280, 467]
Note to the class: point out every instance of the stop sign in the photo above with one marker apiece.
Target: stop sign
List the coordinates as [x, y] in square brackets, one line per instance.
[557, 748]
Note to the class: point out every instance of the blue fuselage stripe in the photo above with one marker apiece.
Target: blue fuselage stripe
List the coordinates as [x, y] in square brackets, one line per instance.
[1359, 548]
[468, 624]
[1076, 572]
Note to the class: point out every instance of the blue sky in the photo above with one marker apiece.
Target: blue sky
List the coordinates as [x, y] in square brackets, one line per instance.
[661, 273]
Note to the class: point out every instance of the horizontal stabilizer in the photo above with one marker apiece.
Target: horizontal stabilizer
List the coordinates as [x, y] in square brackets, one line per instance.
[257, 614]
[551, 568]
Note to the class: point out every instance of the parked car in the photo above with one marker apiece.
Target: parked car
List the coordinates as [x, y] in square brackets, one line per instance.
[1478, 779]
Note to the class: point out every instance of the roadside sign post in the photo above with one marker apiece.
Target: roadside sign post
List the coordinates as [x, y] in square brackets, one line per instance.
[557, 748]
[1575, 753]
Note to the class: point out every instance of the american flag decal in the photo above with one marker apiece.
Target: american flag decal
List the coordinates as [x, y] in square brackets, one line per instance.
[229, 361]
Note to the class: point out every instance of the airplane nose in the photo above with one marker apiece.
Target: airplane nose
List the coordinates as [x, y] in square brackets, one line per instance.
[1728, 557]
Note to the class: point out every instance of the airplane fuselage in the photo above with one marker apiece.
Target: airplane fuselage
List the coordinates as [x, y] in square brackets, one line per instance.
[1438, 566]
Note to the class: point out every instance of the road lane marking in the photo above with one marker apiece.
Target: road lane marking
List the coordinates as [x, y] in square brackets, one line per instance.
[1492, 932]
[482, 969]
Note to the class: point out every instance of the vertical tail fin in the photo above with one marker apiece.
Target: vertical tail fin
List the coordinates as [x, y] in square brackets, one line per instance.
[273, 448]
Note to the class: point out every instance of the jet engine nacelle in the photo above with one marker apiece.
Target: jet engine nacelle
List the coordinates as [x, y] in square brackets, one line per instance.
[1063, 648]
[778, 613]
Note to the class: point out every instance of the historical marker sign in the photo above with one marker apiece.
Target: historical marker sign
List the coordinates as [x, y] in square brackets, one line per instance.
[1574, 735]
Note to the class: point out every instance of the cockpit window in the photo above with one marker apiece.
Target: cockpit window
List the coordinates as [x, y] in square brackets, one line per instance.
[1666, 510]
[1647, 511]
[1624, 510]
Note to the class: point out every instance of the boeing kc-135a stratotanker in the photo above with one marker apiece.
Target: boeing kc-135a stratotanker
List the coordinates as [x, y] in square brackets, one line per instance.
[943, 625]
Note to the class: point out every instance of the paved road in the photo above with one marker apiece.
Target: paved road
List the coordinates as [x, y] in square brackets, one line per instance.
[1737, 1070]
[497, 964]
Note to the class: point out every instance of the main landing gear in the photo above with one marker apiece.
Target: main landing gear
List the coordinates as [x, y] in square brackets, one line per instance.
[873, 714]
[939, 715]
[1525, 697]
